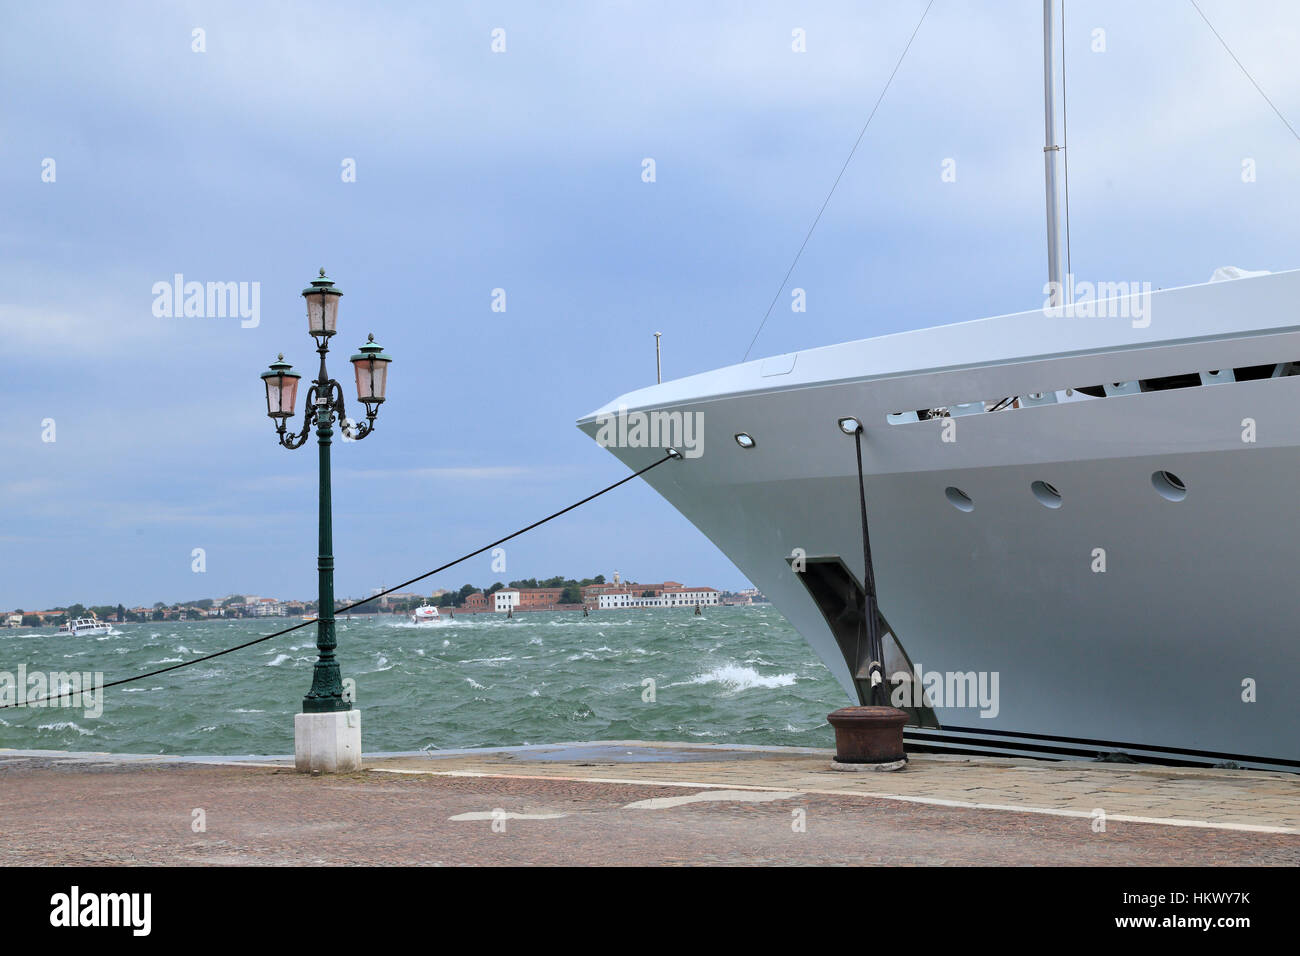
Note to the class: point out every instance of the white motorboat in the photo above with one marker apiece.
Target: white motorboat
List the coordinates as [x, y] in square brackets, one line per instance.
[425, 614]
[86, 625]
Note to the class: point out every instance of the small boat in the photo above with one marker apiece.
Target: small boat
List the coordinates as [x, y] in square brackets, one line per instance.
[426, 614]
[86, 625]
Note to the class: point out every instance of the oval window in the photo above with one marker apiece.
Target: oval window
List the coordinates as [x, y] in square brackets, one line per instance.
[1169, 485]
[959, 499]
[1046, 494]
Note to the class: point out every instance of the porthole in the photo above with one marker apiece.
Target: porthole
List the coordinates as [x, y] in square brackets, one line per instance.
[1046, 494]
[1169, 485]
[959, 499]
[744, 440]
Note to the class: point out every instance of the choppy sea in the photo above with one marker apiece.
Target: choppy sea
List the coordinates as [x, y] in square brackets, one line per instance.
[732, 675]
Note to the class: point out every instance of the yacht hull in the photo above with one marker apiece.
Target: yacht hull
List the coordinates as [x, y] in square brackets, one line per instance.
[1117, 619]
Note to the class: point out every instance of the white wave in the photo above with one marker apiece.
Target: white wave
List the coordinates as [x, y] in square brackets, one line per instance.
[473, 683]
[737, 678]
[486, 660]
[167, 660]
[67, 725]
[279, 659]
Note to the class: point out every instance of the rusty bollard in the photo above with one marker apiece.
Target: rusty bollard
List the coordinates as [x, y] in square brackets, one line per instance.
[868, 738]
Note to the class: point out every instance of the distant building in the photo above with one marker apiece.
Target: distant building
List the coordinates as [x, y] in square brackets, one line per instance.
[264, 607]
[620, 593]
[539, 597]
[665, 597]
[476, 601]
[505, 599]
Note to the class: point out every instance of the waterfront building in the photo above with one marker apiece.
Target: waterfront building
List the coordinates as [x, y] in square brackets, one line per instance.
[505, 599]
[619, 593]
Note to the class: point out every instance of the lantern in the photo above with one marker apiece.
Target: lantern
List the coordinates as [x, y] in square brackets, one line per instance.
[371, 365]
[281, 388]
[322, 306]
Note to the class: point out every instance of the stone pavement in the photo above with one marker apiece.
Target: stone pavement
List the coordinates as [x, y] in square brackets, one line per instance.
[642, 804]
[1222, 799]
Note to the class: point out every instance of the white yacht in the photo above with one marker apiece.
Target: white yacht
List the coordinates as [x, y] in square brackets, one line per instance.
[425, 614]
[86, 625]
[1087, 508]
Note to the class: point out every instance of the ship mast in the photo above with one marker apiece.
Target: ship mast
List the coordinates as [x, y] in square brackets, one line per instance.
[1051, 151]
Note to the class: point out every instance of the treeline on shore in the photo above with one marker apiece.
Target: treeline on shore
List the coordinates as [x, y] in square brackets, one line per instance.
[235, 606]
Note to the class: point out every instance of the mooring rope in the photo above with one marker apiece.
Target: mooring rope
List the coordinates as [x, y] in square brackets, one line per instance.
[669, 456]
[868, 620]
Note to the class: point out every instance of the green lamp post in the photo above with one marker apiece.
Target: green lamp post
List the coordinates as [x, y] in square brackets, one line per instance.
[324, 406]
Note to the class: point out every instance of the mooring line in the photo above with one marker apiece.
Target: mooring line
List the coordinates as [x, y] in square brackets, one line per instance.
[870, 608]
[671, 454]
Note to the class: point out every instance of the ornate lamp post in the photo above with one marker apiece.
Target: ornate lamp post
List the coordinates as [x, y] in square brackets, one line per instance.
[327, 734]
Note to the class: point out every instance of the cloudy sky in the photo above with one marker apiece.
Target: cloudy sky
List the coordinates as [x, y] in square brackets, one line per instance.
[522, 170]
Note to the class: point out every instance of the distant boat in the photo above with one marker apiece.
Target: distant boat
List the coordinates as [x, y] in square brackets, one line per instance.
[86, 625]
[426, 614]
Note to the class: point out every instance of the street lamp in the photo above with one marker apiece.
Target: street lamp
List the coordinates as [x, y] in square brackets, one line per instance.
[327, 732]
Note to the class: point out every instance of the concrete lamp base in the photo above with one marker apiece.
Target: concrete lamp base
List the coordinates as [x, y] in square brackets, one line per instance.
[327, 743]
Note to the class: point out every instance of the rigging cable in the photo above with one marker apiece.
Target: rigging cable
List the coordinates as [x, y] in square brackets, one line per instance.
[1065, 150]
[1244, 70]
[826, 202]
[669, 456]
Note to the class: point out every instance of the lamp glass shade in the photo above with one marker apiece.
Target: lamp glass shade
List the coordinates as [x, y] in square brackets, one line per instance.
[281, 390]
[322, 312]
[371, 365]
[372, 379]
[322, 306]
